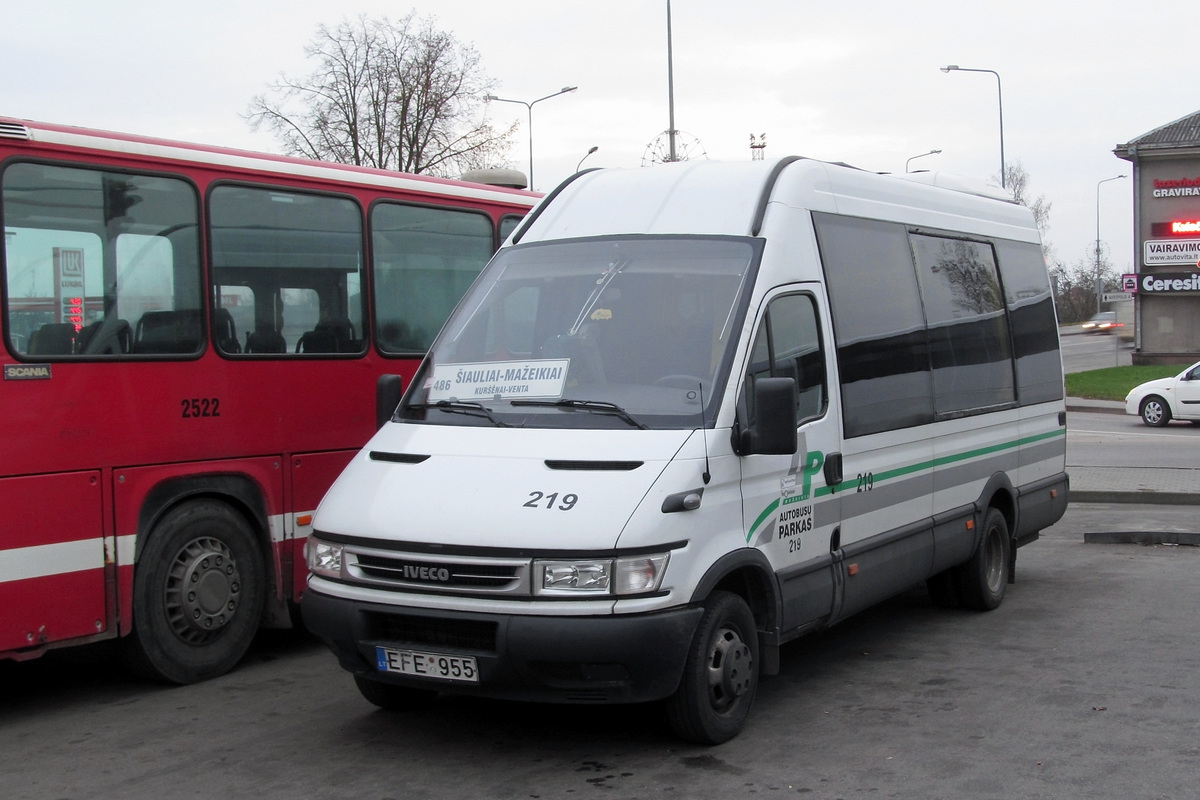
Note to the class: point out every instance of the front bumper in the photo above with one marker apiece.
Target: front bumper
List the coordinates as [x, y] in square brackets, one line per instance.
[551, 659]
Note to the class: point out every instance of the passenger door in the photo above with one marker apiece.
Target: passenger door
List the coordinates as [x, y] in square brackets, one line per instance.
[1187, 393]
[789, 512]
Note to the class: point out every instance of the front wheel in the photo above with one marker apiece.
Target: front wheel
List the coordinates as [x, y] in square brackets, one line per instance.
[1155, 411]
[198, 593]
[720, 675]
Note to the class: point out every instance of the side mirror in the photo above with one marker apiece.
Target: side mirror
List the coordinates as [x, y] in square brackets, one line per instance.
[388, 390]
[774, 430]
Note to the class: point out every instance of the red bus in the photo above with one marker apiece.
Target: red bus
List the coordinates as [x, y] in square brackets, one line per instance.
[196, 341]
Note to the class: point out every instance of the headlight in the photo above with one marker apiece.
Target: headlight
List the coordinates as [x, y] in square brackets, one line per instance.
[323, 558]
[572, 577]
[601, 576]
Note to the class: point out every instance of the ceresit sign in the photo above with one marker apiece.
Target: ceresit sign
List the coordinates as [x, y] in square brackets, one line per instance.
[1169, 283]
[1172, 251]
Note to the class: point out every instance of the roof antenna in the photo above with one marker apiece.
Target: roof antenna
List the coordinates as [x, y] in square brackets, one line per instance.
[707, 476]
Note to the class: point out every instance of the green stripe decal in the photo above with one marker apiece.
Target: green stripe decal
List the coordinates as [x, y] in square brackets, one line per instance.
[767, 512]
[942, 461]
[922, 466]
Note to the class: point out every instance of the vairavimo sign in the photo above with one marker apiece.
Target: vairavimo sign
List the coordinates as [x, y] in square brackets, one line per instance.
[1172, 251]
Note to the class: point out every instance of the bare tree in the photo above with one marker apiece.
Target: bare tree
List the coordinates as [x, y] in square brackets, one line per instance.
[394, 95]
[1016, 179]
[1077, 285]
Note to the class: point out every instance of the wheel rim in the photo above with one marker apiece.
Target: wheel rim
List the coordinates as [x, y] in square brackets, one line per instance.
[202, 590]
[995, 561]
[730, 670]
[1153, 412]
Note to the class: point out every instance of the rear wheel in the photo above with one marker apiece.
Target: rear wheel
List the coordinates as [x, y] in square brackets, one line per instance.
[1155, 411]
[721, 673]
[198, 593]
[981, 582]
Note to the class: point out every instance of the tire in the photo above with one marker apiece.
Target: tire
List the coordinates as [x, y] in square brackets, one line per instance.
[1155, 412]
[181, 636]
[982, 580]
[391, 697]
[720, 676]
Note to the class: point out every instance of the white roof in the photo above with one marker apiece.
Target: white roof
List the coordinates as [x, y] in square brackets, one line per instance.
[713, 197]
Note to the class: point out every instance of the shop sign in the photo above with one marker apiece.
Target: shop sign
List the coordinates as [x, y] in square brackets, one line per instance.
[1169, 283]
[1179, 227]
[1172, 251]
[1180, 187]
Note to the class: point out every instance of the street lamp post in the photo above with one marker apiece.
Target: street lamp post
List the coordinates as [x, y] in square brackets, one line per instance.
[930, 153]
[1000, 98]
[1098, 285]
[591, 150]
[529, 107]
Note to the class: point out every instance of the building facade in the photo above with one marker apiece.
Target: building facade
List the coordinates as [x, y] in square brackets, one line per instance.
[1166, 218]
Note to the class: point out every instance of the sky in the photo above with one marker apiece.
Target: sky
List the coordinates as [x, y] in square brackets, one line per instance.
[853, 82]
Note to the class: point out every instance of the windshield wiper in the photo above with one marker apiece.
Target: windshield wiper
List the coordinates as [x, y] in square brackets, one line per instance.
[462, 407]
[599, 406]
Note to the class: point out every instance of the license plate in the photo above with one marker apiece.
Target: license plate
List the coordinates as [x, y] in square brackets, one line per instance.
[427, 665]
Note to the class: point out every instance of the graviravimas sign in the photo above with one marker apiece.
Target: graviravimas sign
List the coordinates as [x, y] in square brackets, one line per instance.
[1179, 187]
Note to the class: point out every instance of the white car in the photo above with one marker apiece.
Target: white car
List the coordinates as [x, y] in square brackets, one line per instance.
[1158, 402]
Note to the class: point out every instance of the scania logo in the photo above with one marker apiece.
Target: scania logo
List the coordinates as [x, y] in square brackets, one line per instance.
[428, 574]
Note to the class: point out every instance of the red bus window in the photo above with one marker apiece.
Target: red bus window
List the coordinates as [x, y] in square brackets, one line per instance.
[100, 264]
[289, 268]
[425, 260]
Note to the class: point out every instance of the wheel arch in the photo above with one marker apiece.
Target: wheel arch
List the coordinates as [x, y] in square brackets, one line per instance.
[748, 574]
[239, 491]
[245, 496]
[1165, 398]
[1000, 494]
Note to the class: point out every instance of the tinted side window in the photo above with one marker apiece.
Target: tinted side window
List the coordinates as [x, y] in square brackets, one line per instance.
[883, 352]
[288, 267]
[1034, 324]
[425, 260]
[100, 264]
[968, 329]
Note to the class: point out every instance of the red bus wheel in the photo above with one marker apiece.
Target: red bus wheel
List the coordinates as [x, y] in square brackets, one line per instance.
[199, 588]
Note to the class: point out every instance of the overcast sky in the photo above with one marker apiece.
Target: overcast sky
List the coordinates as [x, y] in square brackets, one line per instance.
[851, 82]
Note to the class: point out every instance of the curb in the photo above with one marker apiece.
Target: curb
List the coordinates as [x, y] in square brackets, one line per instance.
[1094, 409]
[1143, 538]
[1142, 498]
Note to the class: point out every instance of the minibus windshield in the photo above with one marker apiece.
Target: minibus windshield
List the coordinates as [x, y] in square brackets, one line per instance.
[614, 332]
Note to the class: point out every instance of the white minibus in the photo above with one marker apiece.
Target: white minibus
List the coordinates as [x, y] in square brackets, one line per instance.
[687, 414]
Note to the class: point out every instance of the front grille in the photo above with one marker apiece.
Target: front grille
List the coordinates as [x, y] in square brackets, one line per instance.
[438, 573]
[467, 634]
[459, 576]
